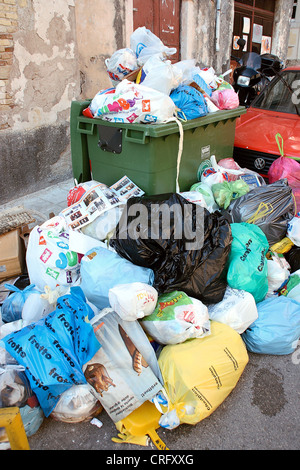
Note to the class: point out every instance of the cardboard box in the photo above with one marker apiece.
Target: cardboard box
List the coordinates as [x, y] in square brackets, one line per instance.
[12, 254]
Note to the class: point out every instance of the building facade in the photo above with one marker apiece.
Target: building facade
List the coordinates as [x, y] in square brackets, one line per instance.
[54, 51]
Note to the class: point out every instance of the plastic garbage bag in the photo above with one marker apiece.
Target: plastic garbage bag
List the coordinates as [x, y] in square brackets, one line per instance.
[134, 103]
[237, 309]
[227, 191]
[7, 328]
[177, 318]
[231, 172]
[229, 164]
[285, 167]
[15, 389]
[211, 176]
[48, 257]
[12, 306]
[133, 301]
[291, 287]
[54, 349]
[278, 273]
[209, 76]
[225, 99]
[36, 307]
[158, 74]
[200, 373]
[293, 230]
[102, 269]
[277, 329]
[270, 207]
[124, 372]
[195, 197]
[184, 70]
[77, 404]
[32, 418]
[189, 101]
[247, 265]
[207, 194]
[187, 247]
[98, 101]
[120, 64]
[145, 44]
[293, 258]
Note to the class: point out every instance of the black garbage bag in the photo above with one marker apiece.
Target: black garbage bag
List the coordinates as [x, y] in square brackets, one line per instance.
[270, 207]
[185, 245]
[293, 258]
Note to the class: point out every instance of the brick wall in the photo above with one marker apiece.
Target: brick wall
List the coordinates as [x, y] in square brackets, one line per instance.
[8, 25]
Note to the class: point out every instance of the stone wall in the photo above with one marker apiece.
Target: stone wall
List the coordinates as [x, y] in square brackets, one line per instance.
[39, 77]
[8, 26]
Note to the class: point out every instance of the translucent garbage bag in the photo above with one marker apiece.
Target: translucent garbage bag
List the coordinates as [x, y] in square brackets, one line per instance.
[120, 64]
[145, 44]
[237, 309]
[103, 269]
[76, 405]
[158, 74]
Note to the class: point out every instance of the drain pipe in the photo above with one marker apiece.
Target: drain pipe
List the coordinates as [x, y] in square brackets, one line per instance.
[218, 25]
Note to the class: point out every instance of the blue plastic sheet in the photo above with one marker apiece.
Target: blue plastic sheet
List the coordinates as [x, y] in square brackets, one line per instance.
[277, 328]
[54, 349]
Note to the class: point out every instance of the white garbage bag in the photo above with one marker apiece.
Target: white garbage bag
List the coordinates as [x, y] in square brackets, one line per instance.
[237, 309]
[133, 301]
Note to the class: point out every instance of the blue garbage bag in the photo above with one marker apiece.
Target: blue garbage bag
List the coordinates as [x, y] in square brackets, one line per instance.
[54, 349]
[102, 269]
[277, 329]
[12, 306]
[190, 102]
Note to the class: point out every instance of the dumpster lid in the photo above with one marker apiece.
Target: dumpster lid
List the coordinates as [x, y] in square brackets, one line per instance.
[160, 130]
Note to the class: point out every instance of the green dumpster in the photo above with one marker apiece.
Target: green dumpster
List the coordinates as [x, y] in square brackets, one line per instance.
[148, 154]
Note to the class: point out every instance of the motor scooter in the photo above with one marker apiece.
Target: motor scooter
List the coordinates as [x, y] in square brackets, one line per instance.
[253, 73]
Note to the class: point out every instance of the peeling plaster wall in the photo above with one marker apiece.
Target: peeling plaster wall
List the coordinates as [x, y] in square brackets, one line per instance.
[103, 26]
[198, 32]
[43, 80]
[281, 28]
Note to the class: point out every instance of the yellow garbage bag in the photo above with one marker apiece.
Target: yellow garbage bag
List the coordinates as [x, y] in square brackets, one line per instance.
[201, 372]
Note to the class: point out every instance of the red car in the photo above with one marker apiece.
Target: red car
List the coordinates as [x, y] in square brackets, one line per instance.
[275, 111]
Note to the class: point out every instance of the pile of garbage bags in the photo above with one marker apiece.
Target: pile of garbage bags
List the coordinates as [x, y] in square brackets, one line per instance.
[148, 88]
[132, 298]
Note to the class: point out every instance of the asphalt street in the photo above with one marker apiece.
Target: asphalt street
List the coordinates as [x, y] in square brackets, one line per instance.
[261, 413]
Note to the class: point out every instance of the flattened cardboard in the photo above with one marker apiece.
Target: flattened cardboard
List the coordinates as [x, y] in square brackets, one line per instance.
[12, 254]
